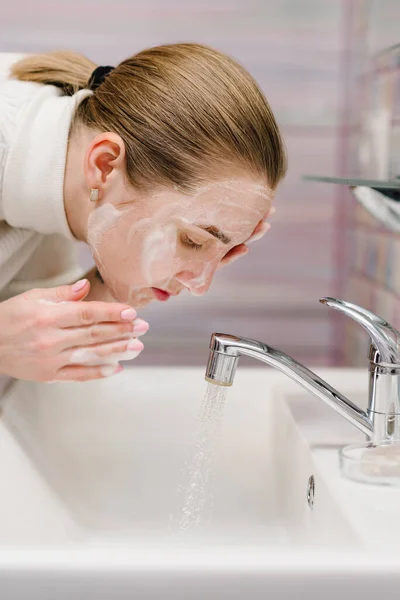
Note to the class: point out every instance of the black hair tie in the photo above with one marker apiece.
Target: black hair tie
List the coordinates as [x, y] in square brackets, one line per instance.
[98, 76]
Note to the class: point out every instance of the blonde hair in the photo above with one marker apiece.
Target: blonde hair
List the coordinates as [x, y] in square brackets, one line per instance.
[185, 112]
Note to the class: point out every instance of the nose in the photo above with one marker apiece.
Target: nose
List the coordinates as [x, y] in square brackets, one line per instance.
[197, 280]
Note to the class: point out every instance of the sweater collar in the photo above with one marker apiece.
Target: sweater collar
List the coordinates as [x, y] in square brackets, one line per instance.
[33, 186]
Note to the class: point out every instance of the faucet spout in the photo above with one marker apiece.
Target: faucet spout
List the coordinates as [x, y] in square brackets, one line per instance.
[225, 351]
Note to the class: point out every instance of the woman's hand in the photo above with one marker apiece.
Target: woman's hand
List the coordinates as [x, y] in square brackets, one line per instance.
[242, 249]
[51, 335]
[99, 291]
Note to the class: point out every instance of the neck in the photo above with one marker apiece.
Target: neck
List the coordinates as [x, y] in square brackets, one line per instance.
[76, 194]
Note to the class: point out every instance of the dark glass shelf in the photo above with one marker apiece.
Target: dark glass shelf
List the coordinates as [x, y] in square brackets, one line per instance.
[388, 184]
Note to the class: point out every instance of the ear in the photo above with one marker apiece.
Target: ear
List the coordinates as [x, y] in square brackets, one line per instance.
[104, 160]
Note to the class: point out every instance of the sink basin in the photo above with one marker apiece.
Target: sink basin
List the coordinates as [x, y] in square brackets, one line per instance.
[89, 493]
[113, 456]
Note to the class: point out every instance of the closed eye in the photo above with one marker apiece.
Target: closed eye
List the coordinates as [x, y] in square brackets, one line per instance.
[186, 241]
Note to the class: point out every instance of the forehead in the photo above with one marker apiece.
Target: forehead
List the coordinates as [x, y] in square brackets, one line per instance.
[235, 193]
[225, 201]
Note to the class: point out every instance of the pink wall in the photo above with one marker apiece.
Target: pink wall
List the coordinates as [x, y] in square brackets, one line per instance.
[299, 52]
[372, 279]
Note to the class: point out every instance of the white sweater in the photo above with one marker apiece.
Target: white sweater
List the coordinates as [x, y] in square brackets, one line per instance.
[37, 248]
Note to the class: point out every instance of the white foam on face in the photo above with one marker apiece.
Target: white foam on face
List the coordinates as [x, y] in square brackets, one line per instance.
[159, 247]
[102, 220]
[197, 283]
[159, 244]
[225, 200]
[137, 297]
[160, 260]
[239, 186]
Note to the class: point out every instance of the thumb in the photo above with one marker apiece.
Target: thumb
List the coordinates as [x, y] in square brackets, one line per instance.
[68, 293]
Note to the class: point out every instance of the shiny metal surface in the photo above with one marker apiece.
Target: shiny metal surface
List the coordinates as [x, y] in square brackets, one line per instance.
[382, 203]
[381, 198]
[385, 339]
[311, 491]
[381, 421]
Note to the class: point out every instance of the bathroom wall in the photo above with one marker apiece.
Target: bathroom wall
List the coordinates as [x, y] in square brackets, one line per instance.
[299, 52]
[295, 50]
[372, 144]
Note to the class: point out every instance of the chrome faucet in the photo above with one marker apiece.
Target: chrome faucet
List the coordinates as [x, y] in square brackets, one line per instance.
[380, 422]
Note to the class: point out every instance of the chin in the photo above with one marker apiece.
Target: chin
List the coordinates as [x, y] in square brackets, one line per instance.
[140, 303]
[139, 298]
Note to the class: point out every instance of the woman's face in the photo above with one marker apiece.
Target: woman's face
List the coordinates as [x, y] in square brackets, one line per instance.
[172, 241]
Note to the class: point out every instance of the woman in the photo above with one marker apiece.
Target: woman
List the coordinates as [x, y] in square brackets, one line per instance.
[165, 166]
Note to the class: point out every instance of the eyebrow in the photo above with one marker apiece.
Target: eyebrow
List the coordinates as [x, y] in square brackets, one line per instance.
[216, 232]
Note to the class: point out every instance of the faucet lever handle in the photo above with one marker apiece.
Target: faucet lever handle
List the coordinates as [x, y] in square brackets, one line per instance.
[385, 338]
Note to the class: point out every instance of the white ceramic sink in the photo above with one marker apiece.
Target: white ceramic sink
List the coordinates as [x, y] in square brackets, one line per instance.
[90, 479]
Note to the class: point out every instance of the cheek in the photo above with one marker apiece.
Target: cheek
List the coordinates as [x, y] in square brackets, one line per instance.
[101, 224]
[197, 272]
[108, 239]
[102, 220]
[115, 257]
[158, 255]
[203, 280]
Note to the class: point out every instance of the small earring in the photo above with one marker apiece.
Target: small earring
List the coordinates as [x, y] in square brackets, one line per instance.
[94, 195]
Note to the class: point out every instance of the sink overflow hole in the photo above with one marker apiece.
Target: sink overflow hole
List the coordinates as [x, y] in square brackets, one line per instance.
[311, 491]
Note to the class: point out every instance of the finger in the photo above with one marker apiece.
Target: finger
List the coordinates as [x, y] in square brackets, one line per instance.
[270, 213]
[259, 232]
[103, 353]
[256, 230]
[234, 254]
[64, 293]
[77, 373]
[102, 333]
[88, 313]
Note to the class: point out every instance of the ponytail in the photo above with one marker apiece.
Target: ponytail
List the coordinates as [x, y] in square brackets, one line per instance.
[64, 69]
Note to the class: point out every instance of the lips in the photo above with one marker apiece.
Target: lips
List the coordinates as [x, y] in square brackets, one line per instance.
[161, 294]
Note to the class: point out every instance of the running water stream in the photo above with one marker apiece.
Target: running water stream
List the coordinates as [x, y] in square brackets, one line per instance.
[197, 494]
